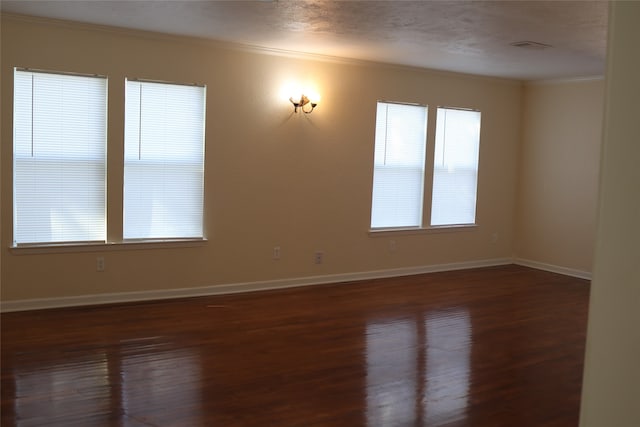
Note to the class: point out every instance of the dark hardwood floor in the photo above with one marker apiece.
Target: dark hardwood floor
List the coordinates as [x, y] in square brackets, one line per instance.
[500, 346]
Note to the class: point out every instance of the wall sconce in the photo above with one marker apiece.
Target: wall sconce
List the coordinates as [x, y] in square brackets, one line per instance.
[304, 100]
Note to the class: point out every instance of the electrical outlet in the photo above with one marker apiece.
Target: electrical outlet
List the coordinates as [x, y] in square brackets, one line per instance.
[100, 263]
[276, 252]
[319, 257]
[392, 246]
[494, 238]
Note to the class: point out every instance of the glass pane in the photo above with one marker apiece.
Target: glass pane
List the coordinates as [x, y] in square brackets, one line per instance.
[164, 161]
[455, 171]
[398, 177]
[59, 158]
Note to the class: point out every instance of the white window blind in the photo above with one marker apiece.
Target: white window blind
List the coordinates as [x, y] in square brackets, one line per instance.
[398, 176]
[59, 158]
[455, 171]
[163, 161]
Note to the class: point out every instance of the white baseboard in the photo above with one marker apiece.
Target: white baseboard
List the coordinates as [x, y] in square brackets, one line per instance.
[232, 288]
[553, 268]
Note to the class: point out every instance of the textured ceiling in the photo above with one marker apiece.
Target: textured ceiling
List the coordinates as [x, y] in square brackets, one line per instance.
[462, 36]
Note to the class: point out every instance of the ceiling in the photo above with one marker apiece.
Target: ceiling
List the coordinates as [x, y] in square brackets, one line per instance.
[462, 36]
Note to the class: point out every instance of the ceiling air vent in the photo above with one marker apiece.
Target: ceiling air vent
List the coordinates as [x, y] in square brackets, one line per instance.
[530, 45]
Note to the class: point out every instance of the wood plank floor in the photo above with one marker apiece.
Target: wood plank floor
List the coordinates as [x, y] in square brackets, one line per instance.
[500, 346]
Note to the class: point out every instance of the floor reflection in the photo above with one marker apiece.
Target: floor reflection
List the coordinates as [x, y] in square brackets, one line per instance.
[154, 382]
[447, 365]
[111, 388]
[63, 384]
[418, 369]
[391, 372]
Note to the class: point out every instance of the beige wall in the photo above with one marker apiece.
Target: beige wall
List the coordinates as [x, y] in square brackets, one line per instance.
[302, 182]
[611, 391]
[559, 169]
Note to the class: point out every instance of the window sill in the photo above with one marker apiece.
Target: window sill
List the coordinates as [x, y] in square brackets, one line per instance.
[107, 246]
[382, 232]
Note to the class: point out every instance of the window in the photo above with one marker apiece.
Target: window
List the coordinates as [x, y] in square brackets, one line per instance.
[59, 157]
[398, 176]
[163, 161]
[399, 172]
[455, 167]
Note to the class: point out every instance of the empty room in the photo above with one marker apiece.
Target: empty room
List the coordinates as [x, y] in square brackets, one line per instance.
[320, 213]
